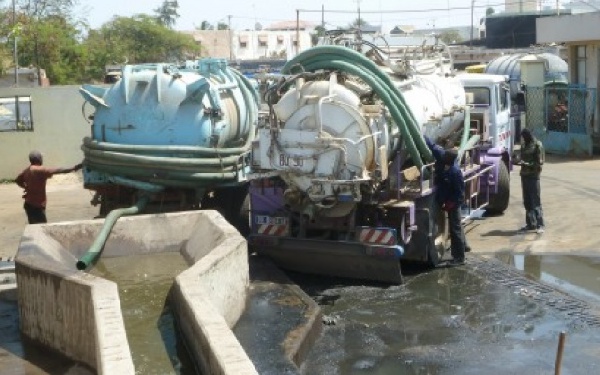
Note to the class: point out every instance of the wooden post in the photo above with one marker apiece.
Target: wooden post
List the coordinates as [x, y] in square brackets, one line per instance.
[559, 352]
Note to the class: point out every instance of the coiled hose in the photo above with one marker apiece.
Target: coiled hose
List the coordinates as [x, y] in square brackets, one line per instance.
[352, 62]
[171, 165]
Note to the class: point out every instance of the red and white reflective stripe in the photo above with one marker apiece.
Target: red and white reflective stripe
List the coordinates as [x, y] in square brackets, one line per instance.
[504, 135]
[273, 230]
[379, 236]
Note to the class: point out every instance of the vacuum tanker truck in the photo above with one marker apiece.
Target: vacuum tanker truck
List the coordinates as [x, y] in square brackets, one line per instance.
[342, 179]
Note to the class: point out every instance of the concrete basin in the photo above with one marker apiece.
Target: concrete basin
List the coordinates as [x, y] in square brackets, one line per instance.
[79, 314]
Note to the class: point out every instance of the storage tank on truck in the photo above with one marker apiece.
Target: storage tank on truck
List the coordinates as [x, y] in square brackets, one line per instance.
[181, 133]
[342, 178]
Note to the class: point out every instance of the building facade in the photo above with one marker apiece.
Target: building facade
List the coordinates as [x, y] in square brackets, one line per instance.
[279, 41]
[583, 48]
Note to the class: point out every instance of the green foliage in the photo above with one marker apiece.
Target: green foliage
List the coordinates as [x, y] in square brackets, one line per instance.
[489, 11]
[167, 14]
[450, 37]
[140, 39]
[49, 37]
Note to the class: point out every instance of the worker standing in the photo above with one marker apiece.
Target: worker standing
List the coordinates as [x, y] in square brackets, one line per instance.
[531, 161]
[33, 180]
[450, 192]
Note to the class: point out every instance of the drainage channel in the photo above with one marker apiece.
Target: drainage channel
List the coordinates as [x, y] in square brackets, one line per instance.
[144, 282]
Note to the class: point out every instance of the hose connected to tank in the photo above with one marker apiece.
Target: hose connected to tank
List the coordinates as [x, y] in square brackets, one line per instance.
[352, 62]
[94, 251]
[179, 166]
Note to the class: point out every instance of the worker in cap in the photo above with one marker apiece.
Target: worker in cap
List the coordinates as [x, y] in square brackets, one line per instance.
[449, 195]
[33, 180]
[531, 160]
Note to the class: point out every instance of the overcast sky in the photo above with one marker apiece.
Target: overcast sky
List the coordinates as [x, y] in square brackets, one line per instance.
[246, 13]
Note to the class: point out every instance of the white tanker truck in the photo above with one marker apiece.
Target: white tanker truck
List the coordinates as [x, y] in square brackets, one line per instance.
[342, 178]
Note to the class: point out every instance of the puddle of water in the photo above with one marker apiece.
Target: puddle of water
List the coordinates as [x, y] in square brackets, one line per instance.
[575, 275]
[144, 282]
[447, 321]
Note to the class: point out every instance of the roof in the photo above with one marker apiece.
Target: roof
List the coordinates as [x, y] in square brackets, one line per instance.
[291, 25]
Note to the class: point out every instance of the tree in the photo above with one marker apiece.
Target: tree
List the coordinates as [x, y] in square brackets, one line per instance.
[359, 23]
[167, 14]
[222, 26]
[489, 11]
[139, 39]
[450, 37]
[319, 32]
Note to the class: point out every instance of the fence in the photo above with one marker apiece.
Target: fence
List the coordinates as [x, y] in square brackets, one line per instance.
[562, 117]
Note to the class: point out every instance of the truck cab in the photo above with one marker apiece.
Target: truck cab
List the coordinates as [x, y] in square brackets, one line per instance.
[489, 97]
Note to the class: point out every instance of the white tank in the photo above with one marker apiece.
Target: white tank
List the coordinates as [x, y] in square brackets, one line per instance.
[327, 134]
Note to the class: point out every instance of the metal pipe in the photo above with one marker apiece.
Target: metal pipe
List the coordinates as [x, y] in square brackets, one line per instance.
[15, 38]
[559, 352]
[94, 251]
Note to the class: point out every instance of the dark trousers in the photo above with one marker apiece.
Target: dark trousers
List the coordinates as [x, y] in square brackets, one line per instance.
[35, 215]
[532, 202]
[458, 241]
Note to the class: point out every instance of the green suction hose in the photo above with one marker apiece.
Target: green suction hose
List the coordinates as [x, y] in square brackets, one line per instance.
[352, 62]
[94, 251]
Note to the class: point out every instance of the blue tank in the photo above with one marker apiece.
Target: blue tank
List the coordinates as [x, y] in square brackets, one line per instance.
[557, 69]
[187, 126]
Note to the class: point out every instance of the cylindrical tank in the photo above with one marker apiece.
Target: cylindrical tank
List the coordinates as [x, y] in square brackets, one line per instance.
[175, 126]
[556, 69]
[349, 137]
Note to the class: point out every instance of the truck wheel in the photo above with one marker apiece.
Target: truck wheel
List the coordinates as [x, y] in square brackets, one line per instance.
[499, 201]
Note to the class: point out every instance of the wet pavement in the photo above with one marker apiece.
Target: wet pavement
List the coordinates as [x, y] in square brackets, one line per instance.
[482, 318]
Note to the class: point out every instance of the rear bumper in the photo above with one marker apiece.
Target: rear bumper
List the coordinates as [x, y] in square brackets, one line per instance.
[332, 258]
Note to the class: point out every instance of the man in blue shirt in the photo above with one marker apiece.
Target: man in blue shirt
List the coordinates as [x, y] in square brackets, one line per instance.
[449, 195]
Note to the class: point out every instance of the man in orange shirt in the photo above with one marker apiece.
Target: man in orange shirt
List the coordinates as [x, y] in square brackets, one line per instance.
[33, 180]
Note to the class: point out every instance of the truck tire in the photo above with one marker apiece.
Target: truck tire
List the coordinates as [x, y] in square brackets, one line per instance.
[499, 201]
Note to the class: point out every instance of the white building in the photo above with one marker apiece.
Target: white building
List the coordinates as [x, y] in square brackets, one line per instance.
[520, 6]
[281, 40]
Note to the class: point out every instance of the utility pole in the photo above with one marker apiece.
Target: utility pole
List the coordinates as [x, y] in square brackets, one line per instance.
[297, 31]
[230, 38]
[14, 22]
[471, 39]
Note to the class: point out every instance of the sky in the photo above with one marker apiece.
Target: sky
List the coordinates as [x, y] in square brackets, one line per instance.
[245, 14]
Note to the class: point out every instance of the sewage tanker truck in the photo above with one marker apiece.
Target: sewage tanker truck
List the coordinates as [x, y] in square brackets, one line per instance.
[341, 179]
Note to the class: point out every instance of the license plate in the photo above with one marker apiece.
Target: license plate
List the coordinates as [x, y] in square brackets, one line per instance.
[270, 220]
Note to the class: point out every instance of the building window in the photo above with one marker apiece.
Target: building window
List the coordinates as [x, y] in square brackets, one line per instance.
[262, 40]
[580, 64]
[15, 114]
[243, 44]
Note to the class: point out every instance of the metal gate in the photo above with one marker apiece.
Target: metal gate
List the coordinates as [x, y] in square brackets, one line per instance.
[562, 117]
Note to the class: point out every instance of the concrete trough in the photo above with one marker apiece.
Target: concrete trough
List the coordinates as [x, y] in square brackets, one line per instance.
[79, 315]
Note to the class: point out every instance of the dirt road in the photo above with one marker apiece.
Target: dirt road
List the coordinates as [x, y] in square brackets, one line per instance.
[570, 198]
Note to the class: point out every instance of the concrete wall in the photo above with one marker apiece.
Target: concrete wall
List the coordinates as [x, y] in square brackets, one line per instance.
[210, 297]
[79, 314]
[58, 129]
